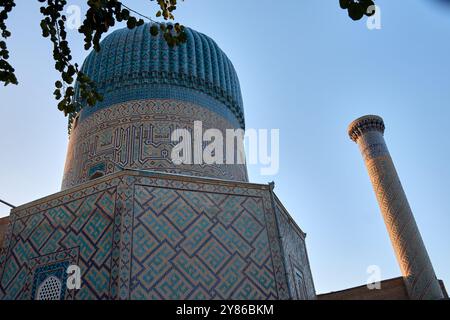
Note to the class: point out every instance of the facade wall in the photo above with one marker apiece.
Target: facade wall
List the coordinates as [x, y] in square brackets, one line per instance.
[4, 223]
[3, 229]
[137, 135]
[48, 236]
[392, 289]
[149, 236]
[296, 260]
[444, 289]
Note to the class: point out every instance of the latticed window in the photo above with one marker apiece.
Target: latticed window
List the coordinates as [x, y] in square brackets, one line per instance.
[50, 289]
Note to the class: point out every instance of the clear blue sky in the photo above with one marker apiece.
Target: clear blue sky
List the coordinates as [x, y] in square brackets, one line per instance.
[308, 70]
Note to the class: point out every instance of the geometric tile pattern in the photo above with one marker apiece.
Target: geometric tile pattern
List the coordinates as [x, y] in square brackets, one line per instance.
[416, 266]
[295, 255]
[147, 235]
[137, 135]
[404, 233]
[191, 244]
[85, 224]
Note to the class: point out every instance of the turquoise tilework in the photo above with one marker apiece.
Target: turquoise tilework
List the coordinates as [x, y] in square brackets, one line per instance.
[134, 65]
[191, 244]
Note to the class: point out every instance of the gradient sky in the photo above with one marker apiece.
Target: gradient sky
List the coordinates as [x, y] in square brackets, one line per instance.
[308, 70]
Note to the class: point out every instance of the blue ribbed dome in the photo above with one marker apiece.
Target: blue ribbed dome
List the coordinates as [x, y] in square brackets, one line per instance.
[132, 65]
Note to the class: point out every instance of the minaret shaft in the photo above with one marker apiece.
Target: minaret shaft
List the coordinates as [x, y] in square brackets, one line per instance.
[415, 264]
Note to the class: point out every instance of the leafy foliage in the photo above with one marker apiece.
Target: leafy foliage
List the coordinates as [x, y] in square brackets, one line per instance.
[6, 70]
[358, 8]
[100, 16]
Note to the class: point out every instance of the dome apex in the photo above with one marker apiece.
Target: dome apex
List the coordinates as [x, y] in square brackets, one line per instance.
[133, 65]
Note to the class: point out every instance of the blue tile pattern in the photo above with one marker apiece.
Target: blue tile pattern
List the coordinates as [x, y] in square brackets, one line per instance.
[189, 244]
[134, 65]
[136, 135]
[149, 236]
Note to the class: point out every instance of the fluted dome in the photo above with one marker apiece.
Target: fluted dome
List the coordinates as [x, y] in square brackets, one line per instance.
[133, 65]
[151, 91]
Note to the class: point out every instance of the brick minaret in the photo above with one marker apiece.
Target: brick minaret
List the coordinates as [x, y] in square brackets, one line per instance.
[415, 264]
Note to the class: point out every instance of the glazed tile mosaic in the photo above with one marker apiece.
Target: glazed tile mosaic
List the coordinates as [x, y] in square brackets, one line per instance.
[152, 236]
